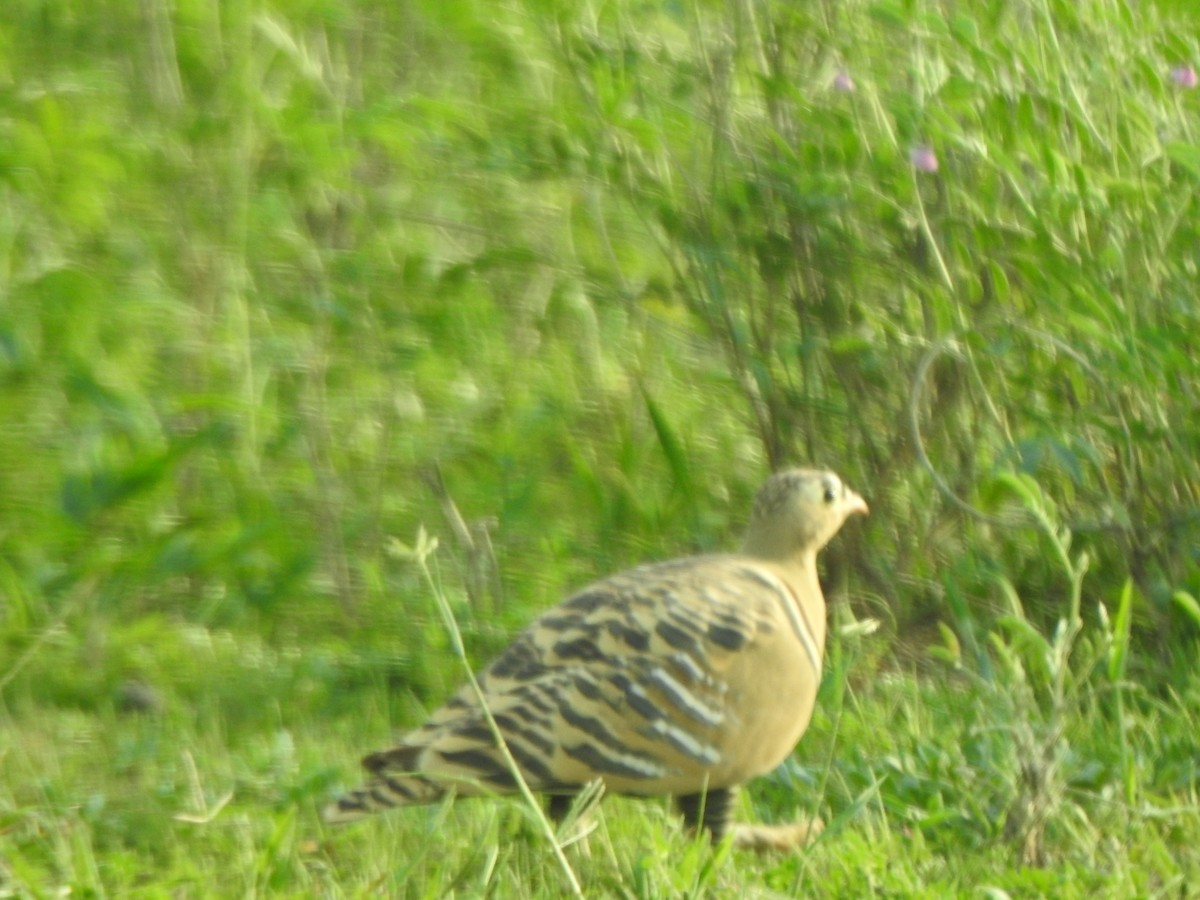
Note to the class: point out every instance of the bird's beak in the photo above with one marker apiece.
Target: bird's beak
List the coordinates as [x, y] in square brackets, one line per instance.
[856, 504]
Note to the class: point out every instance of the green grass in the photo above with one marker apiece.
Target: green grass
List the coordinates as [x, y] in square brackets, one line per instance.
[916, 778]
[282, 282]
[940, 782]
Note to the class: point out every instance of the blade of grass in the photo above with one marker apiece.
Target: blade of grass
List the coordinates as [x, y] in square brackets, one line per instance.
[421, 554]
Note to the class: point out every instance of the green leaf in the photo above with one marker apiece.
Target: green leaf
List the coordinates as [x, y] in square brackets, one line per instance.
[1187, 156]
[890, 14]
[1025, 487]
[669, 441]
[85, 494]
[1188, 604]
[950, 650]
[1028, 640]
[1119, 650]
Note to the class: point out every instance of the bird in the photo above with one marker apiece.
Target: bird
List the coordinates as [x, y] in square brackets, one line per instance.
[687, 678]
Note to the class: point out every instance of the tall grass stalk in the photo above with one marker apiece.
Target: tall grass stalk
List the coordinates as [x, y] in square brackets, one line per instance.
[420, 553]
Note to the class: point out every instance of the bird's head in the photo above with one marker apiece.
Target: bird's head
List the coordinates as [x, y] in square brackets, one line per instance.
[797, 511]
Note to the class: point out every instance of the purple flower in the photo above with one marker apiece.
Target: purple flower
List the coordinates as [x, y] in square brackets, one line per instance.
[1184, 76]
[843, 82]
[923, 158]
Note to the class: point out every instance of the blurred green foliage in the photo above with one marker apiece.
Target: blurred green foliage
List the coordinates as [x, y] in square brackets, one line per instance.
[264, 265]
[281, 281]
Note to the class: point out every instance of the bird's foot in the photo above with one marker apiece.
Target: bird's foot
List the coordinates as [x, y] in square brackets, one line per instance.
[763, 838]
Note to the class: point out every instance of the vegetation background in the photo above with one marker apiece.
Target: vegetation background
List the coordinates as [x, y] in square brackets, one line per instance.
[282, 281]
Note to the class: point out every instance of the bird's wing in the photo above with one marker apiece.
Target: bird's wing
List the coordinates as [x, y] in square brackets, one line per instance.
[637, 680]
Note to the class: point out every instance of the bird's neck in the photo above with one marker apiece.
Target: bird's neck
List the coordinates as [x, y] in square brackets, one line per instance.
[799, 570]
[798, 556]
[781, 546]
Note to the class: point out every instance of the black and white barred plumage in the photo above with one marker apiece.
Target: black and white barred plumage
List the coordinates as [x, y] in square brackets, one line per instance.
[687, 678]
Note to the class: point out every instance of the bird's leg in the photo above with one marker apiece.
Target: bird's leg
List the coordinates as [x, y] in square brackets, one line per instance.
[559, 806]
[714, 811]
[711, 809]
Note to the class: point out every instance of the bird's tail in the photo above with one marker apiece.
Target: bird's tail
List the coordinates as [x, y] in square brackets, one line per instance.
[393, 783]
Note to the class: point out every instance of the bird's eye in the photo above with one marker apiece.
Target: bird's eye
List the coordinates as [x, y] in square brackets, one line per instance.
[830, 494]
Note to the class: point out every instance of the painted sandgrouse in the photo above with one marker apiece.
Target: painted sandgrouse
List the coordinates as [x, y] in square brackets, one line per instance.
[687, 677]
